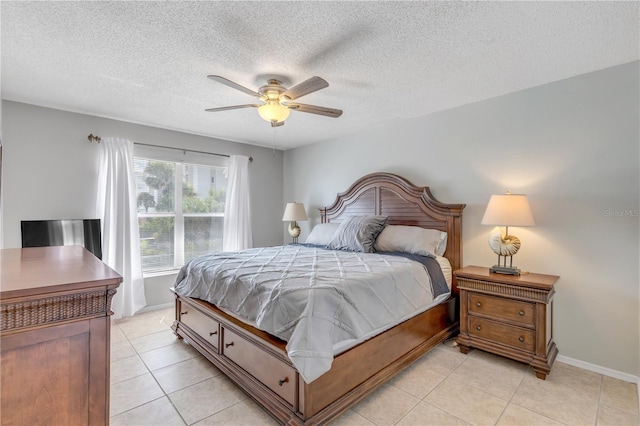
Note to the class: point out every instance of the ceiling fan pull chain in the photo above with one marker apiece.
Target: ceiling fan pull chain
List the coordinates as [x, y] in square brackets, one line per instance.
[275, 129]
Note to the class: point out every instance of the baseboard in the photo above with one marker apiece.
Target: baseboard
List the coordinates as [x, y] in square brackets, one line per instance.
[599, 369]
[156, 307]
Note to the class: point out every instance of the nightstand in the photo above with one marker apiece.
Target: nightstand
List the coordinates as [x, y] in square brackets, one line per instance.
[508, 315]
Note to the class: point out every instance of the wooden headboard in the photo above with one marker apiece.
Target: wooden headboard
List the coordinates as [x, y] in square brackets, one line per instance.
[404, 204]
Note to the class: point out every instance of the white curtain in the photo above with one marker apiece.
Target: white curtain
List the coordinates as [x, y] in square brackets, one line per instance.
[117, 208]
[237, 219]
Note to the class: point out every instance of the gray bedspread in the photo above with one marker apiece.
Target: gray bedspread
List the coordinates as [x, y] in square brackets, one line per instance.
[317, 300]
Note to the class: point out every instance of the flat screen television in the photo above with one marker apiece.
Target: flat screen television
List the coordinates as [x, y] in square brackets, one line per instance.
[64, 232]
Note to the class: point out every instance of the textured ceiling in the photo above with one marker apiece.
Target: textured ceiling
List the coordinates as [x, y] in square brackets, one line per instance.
[147, 62]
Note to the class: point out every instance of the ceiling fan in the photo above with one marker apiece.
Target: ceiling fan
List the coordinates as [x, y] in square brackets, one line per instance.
[277, 99]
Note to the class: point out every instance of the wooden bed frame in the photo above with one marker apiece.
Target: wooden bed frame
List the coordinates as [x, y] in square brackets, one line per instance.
[257, 361]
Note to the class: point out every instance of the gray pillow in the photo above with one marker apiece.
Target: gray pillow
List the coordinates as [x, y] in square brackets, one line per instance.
[358, 233]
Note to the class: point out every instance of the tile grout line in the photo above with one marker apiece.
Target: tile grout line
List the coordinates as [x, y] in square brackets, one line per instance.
[402, 390]
[439, 383]
[138, 353]
[508, 402]
[466, 358]
[599, 399]
[145, 366]
[448, 375]
[218, 412]
[177, 390]
[164, 394]
[530, 370]
[111, 382]
[154, 377]
[136, 407]
[510, 399]
[408, 411]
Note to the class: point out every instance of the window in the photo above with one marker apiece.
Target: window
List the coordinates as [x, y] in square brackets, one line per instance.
[180, 211]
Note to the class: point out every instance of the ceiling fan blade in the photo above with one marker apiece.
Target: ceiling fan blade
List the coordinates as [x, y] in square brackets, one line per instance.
[233, 85]
[310, 85]
[313, 109]
[232, 107]
[277, 123]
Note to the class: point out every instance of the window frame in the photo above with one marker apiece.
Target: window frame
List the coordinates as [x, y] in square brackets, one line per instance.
[179, 158]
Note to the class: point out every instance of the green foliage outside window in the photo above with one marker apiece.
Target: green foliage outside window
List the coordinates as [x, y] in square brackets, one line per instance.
[201, 233]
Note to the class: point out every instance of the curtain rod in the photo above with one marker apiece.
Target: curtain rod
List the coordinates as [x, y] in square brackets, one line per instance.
[98, 139]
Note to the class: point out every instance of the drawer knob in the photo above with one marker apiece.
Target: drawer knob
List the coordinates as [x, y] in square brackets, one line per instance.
[478, 327]
[521, 313]
[226, 345]
[521, 339]
[478, 304]
[184, 313]
[212, 333]
[283, 381]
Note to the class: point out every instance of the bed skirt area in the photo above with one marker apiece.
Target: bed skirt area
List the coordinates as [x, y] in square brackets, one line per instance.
[257, 361]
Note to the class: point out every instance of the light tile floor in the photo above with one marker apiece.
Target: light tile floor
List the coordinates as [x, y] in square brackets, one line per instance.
[157, 379]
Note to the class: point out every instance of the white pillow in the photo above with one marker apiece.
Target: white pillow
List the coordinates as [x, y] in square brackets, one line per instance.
[322, 234]
[442, 247]
[412, 239]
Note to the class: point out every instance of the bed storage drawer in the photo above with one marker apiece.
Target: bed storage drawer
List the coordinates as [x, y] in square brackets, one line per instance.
[517, 337]
[500, 308]
[270, 371]
[206, 327]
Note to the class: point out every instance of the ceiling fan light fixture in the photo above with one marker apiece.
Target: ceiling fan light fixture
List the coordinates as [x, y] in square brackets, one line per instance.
[277, 99]
[272, 111]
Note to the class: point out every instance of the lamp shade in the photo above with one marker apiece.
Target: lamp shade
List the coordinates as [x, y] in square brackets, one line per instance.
[508, 210]
[273, 111]
[294, 212]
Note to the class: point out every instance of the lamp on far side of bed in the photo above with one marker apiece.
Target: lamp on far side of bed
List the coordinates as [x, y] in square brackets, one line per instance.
[294, 212]
[506, 210]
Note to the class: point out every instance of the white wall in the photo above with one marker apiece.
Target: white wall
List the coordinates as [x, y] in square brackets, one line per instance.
[50, 171]
[571, 146]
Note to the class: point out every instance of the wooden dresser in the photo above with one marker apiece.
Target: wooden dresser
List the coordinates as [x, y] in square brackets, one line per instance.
[508, 315]
[54, 336]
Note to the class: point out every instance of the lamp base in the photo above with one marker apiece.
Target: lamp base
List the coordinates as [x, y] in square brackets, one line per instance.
[294, 231]
[497, 269]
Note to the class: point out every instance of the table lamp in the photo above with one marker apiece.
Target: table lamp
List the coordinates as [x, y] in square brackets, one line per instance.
[506, 210]
[294, 212]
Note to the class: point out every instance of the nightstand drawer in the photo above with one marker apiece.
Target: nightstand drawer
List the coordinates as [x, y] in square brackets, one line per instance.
[500, 308]
[516, 337]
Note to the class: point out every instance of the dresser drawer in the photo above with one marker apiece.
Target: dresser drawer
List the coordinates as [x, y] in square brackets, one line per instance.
[516, 337]
[270, 371]
[206, 327]
[513, 311]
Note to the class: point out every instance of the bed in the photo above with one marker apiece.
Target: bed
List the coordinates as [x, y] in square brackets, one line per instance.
[258, 361]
